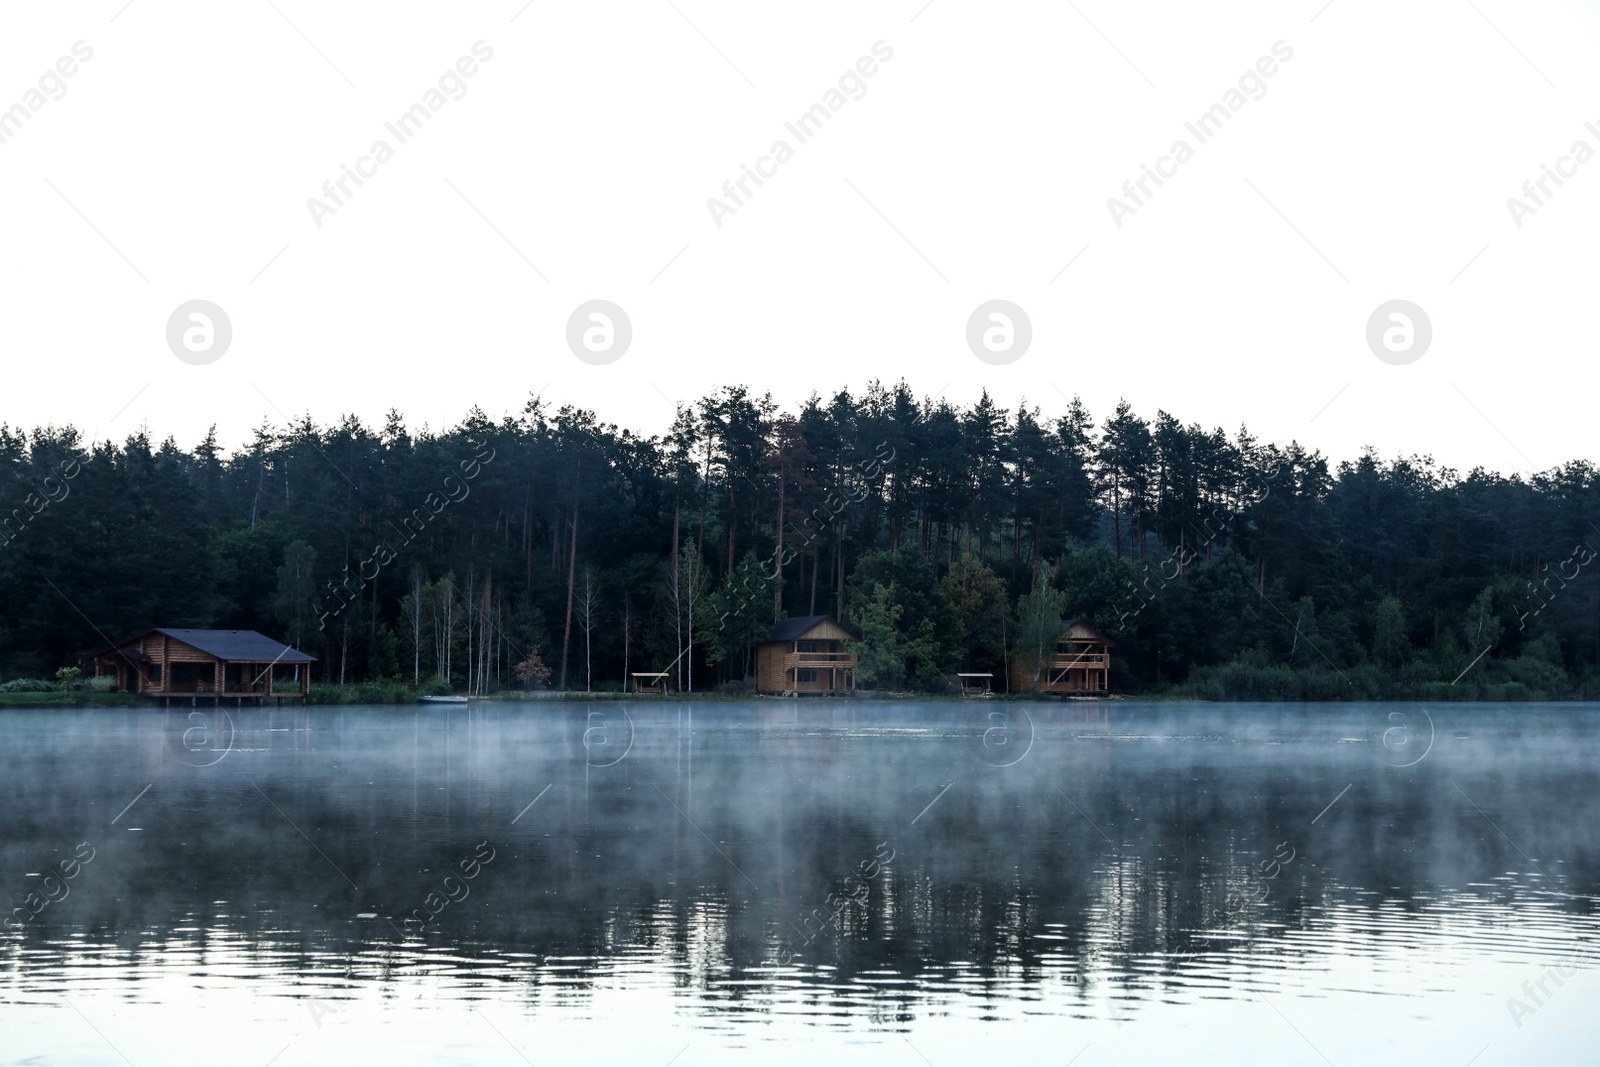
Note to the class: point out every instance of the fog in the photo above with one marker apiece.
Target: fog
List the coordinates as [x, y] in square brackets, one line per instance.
[1029, 846]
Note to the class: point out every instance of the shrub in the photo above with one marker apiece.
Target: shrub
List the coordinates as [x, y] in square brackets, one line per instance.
[1418, 672]
[381, 693]
[28, 685]
[1446, 691]
[1249, 679]
[362, 693]
[1538, 678]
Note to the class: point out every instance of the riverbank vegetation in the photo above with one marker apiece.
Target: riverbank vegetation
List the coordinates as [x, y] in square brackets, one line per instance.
[551, 550]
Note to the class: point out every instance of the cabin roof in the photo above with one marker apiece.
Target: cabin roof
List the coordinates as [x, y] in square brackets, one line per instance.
[1095, 635]
[233, 645]
[796, 628]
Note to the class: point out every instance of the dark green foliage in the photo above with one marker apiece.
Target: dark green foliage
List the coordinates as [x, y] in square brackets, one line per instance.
[895, 600]
[737, 614]
[1220, 566]
[981, 604]
[1040, 612]
[363, 693]
[28, 685]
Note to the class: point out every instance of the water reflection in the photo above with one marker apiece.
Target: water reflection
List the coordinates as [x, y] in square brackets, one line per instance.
[776, 872]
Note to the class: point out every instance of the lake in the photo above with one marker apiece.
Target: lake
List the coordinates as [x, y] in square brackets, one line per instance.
[797, 882]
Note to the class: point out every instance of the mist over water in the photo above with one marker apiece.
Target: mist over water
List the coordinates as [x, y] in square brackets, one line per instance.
[779, 881]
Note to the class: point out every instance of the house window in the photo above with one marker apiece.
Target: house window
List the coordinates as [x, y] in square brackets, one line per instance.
[808, 646]
[155, 672]
[805, 676]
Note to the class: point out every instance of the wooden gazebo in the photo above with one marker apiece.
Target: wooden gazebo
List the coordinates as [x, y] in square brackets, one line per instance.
[650, 683]
[975, 684]
[234, 664]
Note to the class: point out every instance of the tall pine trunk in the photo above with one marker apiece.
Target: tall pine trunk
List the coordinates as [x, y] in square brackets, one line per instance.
[572, 573]
[777, 557]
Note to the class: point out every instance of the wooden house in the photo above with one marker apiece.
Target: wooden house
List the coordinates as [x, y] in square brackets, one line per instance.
[1081, 663]
[806, 655]
[168, 662]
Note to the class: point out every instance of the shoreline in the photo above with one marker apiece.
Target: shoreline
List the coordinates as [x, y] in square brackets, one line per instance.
[86, 702]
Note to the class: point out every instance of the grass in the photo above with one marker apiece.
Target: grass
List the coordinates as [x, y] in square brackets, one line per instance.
[68, 700]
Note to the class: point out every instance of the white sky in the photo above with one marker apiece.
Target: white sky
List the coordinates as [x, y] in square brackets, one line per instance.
[990, 141]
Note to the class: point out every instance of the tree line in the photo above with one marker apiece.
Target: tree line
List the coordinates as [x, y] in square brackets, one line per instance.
[551, 549]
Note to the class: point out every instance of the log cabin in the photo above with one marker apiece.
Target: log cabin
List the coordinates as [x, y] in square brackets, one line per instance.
[243, 664]
[1081, 663]
[806, 655]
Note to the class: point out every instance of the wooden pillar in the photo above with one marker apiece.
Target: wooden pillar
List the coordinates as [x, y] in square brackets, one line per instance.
[269, 680]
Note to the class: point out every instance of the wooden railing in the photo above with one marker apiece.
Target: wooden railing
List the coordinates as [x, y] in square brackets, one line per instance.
[792, 660]
[205, 687]
[187, 686]
[1059, 682]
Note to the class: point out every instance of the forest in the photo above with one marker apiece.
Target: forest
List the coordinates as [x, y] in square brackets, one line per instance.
[552, 550]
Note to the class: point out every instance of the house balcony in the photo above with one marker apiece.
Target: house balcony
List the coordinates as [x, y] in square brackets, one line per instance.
[813, 660]
[1068, 659]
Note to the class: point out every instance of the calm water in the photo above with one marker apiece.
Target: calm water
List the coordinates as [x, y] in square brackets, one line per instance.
[801, 882]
